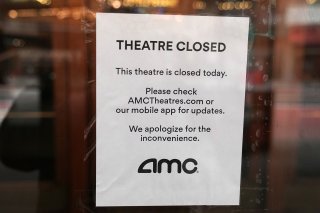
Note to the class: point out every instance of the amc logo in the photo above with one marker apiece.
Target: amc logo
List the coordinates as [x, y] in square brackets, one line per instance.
[153, 165]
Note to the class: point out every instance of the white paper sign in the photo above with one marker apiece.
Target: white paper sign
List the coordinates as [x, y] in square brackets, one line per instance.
[170, 108]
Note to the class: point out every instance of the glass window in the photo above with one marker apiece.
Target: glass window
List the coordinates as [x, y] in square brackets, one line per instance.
[48, 102]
